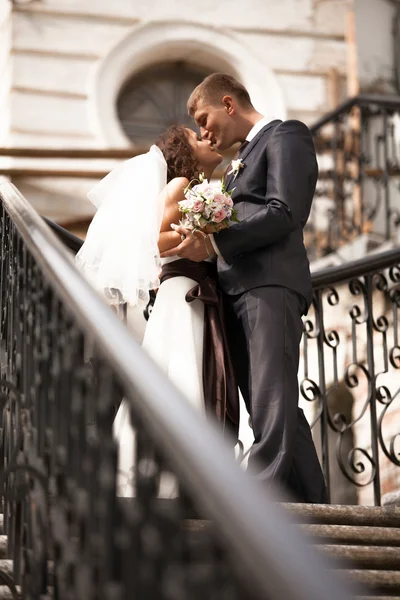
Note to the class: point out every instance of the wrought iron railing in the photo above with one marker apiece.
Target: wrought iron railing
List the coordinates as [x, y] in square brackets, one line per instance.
[351, 374]
[66, 362]
[358, 147]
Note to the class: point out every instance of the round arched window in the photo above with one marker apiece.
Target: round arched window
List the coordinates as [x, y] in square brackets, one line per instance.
[155, 99]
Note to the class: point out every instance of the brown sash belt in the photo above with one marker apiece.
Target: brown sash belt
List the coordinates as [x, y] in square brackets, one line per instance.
[220, 389]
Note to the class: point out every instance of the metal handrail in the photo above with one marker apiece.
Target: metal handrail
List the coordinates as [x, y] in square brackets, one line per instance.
[247, 517]
[355, 268]
[386, 101]
[70, 240]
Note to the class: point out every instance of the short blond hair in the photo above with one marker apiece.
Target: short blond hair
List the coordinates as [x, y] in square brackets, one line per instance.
[214, 87]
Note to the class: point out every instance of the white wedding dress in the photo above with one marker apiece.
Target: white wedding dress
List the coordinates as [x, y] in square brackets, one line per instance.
[173, 337]
[112, 258]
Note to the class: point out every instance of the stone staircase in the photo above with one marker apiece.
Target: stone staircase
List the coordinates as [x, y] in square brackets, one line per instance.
[363, 541]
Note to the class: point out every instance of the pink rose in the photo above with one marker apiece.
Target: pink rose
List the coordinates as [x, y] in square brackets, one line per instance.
[220, 199]
[219, 215]
[198, 206]
[228, 201]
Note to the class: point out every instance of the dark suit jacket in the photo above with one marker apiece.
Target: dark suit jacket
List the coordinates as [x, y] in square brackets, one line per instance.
[273, 194]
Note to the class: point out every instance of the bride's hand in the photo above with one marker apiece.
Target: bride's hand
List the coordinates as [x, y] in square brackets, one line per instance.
[193, 245]
[214, 227]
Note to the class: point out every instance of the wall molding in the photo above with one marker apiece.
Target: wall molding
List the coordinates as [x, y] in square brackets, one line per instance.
[52, 133]
[303, 33]
[58, 54]
[44, 11]
[47, 92]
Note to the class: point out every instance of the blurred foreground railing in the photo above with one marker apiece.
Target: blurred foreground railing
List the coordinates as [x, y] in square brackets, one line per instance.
[66, 362]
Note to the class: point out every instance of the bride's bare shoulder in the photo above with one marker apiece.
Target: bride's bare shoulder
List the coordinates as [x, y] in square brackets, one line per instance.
[173, 193]
[174, 190]
[176, 186]
[178, 183]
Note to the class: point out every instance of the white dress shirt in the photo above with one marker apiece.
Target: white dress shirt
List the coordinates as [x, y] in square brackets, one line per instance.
[249, 137]
[257, 128]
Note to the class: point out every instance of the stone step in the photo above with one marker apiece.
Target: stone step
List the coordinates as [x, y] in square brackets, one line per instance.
[6, 594]
[353, 534]
[364, 557]
[6, 566]
[374, 551]
[371, 516]
[196, 525]
[386, 583]
[3, 546]
[357, 556]
[331, 534]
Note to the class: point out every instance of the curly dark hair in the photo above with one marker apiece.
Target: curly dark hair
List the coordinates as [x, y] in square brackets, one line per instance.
[178, 153]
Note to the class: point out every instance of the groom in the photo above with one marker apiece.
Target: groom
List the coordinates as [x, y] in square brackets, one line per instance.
[264, 273]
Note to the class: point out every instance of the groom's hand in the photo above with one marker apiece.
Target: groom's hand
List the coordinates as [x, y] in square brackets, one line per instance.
[193, 245]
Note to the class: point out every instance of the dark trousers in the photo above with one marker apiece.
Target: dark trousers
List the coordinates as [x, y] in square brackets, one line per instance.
[265, 329]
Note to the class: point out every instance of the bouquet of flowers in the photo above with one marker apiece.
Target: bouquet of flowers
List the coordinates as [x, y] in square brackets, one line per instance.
[207, 204]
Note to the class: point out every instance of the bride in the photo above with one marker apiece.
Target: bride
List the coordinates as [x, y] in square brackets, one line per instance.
[137, 208]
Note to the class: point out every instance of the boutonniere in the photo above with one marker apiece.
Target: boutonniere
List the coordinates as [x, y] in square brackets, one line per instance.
[236, 166]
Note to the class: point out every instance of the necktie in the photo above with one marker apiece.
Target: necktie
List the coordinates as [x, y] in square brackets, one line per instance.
[238, 153]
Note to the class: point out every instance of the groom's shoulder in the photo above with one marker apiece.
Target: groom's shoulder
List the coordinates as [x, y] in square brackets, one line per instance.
[279, 131]
[269, 127]
[286, 133]
[292, 125]
[279, 126]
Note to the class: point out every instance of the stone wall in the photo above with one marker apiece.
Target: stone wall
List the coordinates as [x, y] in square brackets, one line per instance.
[375, 46]
[58, 46]
[5, 69]
[70, 58]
